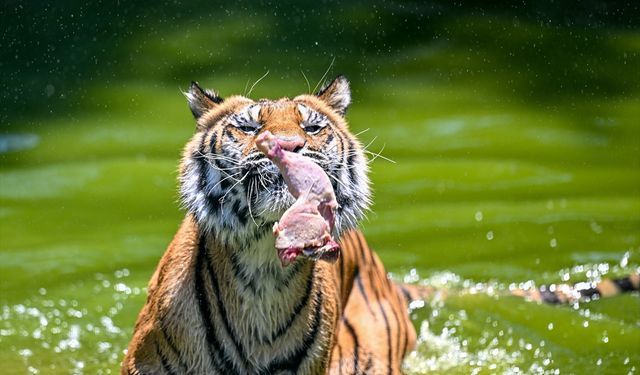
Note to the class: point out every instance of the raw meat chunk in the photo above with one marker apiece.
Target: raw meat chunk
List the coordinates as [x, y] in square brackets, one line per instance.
[305, 228]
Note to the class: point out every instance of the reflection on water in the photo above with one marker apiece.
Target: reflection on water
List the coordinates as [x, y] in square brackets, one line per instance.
[17, 142]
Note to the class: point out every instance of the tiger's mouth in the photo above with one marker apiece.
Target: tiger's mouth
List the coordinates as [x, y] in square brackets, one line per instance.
[268, 194]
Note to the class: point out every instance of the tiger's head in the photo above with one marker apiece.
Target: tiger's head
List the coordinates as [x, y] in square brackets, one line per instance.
[235, 192]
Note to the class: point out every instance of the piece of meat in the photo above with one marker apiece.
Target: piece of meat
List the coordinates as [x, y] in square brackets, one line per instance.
[305, 228]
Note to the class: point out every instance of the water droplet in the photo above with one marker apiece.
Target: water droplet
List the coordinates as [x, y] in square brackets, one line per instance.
[553, 242]
[490, 235]
[49, 90]
[625, 260]
[550, 326]
[478, 216]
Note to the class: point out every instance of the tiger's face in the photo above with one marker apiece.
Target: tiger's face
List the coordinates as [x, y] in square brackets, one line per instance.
[235, 192]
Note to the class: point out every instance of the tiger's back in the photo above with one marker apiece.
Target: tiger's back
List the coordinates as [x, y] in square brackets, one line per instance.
[374, 332]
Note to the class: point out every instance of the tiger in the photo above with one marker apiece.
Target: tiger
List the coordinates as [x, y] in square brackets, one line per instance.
[220, 301]
[565, 294]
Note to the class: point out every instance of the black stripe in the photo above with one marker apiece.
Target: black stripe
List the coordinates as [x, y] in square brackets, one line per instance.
[294, 314]
[352, 332]
[213, 140]
[163, 360]
[246, 184]
[351, 163]
[550, 297]
[211, 202]
[343, 281]
[388, 328]
[362, 248]
[368, 366]
[225, 184]
[240, 273]
[342, 151]
[293, 362]
[229, 134]
[404, 317]
[373, 272]
[284, 283]
[339, 359]
[401, 331]
[344, 157]
[586, 293]
[379, 268]
[215, 349]
[406, 293]
[224, 316]
[340, 138]
[242, 213]
[172, 345]
[358, 281]
[200, 156]
[329, 138]
[624, 284]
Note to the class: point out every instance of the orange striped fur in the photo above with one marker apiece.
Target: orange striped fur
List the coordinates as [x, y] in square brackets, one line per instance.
[220, 302]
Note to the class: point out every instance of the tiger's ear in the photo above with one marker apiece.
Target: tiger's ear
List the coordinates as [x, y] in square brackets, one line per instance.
[336, 94]
[201, 100]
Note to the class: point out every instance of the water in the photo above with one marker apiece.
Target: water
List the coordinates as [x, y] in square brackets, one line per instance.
[516, 155]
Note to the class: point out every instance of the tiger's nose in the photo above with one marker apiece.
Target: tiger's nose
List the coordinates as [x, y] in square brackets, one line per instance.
[291, 143]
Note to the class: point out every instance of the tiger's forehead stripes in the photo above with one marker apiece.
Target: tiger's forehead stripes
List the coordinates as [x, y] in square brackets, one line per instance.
[229, 106]
[314, 104]
[279, 113]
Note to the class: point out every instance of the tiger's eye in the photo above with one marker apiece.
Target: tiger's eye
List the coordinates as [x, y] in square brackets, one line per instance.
[248, 129]
[312, 129]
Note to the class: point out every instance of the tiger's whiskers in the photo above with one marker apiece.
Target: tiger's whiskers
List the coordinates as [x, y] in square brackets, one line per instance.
[254, 85]
[306, 80]
[379, 155]
[221, 200]
[325, 74]
[250, 191]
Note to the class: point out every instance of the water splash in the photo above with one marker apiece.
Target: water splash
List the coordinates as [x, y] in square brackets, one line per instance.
[79, 338]
[462, 331]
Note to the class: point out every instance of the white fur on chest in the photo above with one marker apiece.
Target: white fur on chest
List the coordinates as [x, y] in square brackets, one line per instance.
[271, 304]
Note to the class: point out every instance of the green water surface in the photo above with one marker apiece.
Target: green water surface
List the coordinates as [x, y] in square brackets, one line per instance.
[516, 155]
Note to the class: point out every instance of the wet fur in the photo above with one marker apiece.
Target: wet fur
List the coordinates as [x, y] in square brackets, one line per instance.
[220, 302]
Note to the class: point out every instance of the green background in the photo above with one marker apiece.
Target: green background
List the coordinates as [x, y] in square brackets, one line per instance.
[514, 131]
